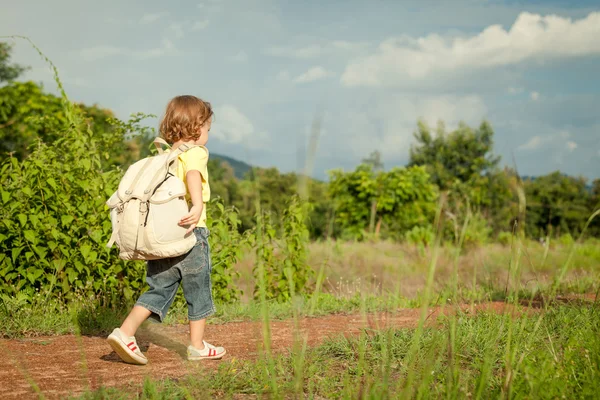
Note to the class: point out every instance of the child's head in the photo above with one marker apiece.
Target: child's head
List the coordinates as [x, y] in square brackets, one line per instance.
[186, 118]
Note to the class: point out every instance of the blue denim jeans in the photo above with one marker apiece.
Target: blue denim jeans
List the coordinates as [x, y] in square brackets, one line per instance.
[191, 270]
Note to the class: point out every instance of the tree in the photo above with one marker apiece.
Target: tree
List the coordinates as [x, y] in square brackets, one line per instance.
[27, 114]
[463, 155]
[374, 159]
[594, 228]
[8, 72]
[403, 198]
[556, 204]
[462, 163]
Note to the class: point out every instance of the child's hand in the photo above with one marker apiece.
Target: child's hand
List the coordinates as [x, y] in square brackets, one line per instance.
[191, 218]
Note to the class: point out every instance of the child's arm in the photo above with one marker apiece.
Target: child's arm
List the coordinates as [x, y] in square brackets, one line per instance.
[194, 184]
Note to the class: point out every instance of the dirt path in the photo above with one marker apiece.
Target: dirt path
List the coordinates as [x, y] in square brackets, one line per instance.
[68, 365]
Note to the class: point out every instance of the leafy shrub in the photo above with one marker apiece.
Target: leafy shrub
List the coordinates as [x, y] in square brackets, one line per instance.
[400, 199]
[225, 241]
[53, 222]
[477, 232]
[296, 271]
[420, 235]
[566, 239]
[505, 238]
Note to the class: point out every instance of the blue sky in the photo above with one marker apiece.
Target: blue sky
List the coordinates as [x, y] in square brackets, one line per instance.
[370, 69]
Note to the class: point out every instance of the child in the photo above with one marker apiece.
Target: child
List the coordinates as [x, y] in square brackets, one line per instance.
[187, 120]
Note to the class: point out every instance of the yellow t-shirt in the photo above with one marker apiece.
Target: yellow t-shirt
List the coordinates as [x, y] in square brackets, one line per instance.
[196, 159]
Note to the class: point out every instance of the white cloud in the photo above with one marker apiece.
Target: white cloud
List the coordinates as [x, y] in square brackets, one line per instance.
[200, 25]
[533, 143]
[232, 126]
[104, 51]
[532, 37]
[313, 74]
[152, 17]
[535, 96]
[555, 139]
[515, 90]
[177, 30]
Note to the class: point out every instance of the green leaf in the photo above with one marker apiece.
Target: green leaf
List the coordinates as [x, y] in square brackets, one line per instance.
[5, 196]
[85, 250]
[30, 236]
[15, 252]
[22, 219]
[59, 264]
[79, 266]
[66, 220]
[52, 183]
[71, 274]
[41, 252]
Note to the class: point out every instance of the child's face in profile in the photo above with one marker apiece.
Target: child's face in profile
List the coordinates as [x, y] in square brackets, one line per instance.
[203, 139]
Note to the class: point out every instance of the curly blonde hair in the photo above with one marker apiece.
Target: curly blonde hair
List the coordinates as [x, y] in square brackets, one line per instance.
[184, 117]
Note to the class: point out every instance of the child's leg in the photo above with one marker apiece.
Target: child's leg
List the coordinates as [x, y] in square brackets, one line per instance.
[163, 278]
[197, 289]
[197, 333]
[135, 318]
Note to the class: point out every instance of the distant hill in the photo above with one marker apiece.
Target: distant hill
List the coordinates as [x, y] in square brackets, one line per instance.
[239, 167]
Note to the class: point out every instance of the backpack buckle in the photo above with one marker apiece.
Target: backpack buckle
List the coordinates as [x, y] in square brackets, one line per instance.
[144, 207]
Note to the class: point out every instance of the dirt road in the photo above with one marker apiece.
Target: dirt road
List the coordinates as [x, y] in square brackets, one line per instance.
[60, 366]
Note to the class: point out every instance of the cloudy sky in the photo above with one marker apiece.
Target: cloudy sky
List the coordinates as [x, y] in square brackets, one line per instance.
[368, 69]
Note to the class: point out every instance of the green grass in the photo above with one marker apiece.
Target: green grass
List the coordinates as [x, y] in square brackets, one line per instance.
[555, 354]
[91, 318]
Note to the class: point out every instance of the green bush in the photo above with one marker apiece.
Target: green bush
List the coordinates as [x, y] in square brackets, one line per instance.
[505, 238]
[225, 242]
[566, 239]
[420, 235]
[54, 224]
[478, 232]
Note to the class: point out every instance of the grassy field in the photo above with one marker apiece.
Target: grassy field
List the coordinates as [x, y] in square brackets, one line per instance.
[378, 276]
[554, 354]
[551, 350]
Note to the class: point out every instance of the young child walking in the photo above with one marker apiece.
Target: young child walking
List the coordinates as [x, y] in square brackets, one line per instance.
[187, 121]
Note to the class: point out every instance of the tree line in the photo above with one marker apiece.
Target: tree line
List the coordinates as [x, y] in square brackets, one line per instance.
[370, 201]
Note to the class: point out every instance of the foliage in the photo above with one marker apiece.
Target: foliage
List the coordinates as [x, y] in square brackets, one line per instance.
[464, 155]
[284, 272]
[556, 204]
[27, 115]
[422, 236]
[505, 238]
[265, 268]
[8, 72]
[225, 241]
[398, 200]
[54, 223]
[594, 204]
[462, 164]
[477, 232]
[296, 271]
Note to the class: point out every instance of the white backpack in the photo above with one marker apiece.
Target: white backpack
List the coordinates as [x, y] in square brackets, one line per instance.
[147, 206]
